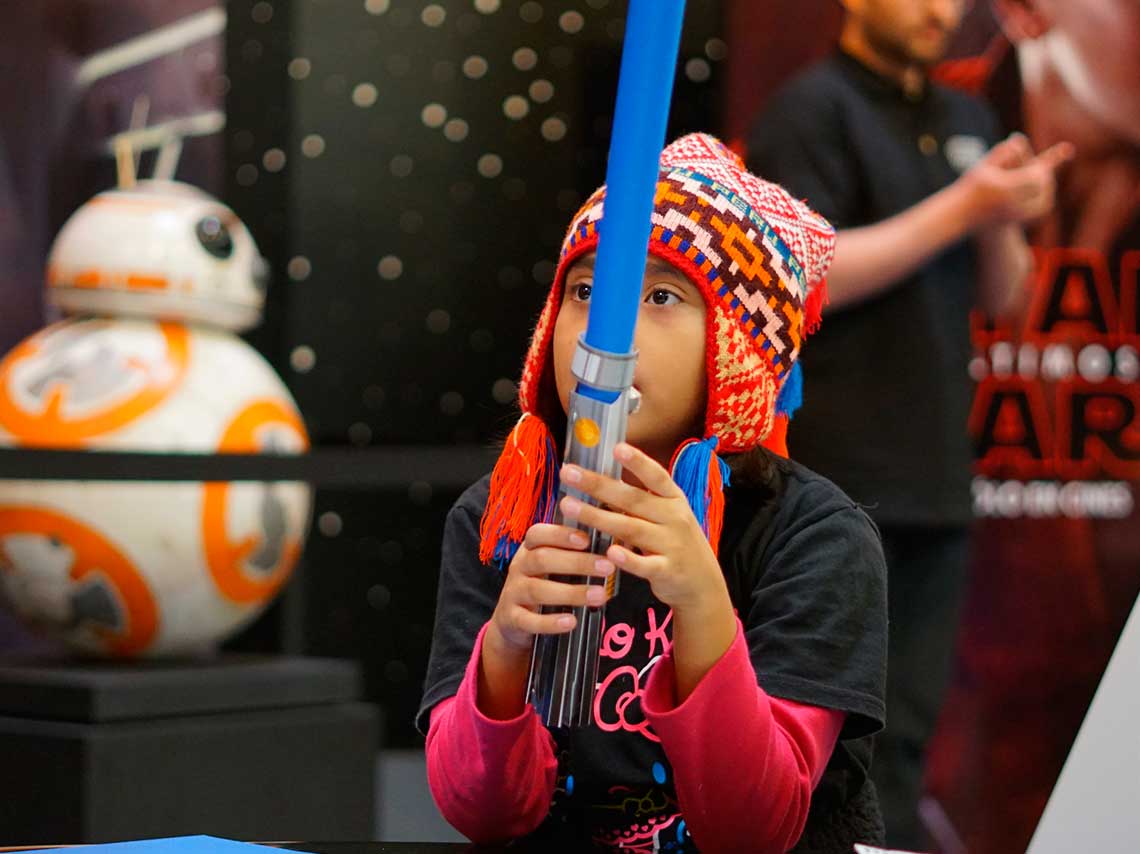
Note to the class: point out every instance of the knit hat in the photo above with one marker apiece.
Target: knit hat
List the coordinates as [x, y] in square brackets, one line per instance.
[758, 257]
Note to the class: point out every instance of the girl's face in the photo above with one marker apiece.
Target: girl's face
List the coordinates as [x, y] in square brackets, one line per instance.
[670, 340]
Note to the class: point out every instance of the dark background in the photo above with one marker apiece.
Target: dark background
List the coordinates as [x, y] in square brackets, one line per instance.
[404, 274]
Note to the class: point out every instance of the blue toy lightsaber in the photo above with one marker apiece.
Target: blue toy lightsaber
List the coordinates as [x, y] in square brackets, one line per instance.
[564, 668]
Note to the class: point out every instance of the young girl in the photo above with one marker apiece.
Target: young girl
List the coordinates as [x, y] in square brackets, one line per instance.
[736, 696]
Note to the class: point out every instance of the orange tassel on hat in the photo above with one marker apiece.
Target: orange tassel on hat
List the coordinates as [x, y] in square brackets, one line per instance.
[523, 486]
[813, 307]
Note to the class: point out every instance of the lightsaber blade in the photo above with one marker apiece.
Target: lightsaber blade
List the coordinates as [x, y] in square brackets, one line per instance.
[564, 668]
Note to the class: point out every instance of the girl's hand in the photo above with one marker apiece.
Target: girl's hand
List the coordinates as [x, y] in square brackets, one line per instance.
[546, 550]
[505, 658]
[676, 558]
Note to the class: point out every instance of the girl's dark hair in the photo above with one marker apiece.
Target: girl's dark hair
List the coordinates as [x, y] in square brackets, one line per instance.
[752, 468]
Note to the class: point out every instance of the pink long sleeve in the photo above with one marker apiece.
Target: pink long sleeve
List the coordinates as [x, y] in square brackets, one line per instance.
[492, 780]
[744, 763]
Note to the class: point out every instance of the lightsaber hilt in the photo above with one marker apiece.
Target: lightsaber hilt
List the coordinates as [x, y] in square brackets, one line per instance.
[564, 668]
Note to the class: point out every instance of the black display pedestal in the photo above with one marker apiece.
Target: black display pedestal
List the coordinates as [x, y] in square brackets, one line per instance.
[244, 747]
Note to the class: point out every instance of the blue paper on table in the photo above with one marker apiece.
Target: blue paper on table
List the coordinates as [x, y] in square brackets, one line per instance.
[178, 845]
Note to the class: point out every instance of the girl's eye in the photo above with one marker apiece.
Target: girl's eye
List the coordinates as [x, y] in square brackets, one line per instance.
[660, 296]
[581, 291]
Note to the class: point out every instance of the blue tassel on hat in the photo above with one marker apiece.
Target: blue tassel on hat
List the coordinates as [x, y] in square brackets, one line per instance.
[792, 394]
[703, 477]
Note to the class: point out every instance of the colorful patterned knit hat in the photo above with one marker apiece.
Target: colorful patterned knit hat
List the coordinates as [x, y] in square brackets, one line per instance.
[758, 257]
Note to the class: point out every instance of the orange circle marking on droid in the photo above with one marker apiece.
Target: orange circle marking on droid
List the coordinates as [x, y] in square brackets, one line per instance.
[51, 428]
[226, 557]
[94, 555]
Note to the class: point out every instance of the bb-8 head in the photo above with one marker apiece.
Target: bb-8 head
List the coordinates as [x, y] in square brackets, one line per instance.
[162, 250]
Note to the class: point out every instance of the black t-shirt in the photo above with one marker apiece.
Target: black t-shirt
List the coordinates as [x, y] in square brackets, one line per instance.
[886, 393]
[806, 573]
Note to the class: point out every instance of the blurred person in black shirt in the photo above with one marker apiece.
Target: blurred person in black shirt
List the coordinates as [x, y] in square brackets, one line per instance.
[930, 208]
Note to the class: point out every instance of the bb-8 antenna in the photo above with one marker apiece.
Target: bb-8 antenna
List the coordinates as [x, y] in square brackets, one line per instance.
[126, 158]
[167, 137]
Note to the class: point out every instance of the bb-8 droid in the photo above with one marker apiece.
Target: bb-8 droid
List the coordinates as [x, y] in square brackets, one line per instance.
[164, 274]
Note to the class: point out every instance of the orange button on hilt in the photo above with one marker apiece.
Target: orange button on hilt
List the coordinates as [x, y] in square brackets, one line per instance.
[587, 432]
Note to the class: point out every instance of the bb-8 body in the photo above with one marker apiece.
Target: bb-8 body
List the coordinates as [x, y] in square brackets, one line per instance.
[142, 568]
